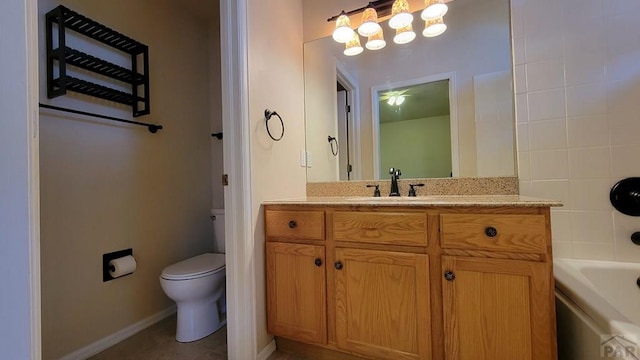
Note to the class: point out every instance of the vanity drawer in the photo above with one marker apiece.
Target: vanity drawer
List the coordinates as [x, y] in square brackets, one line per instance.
[506, 233]
[381, 228]
[283, 224]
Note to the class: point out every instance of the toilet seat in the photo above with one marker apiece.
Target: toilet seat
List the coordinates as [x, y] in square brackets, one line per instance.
[195, 267]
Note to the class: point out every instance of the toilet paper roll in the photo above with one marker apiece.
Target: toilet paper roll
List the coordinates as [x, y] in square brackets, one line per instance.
[122, 266]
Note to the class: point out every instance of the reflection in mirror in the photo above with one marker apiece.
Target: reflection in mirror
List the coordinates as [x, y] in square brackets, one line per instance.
[475, 50]
[414, 127]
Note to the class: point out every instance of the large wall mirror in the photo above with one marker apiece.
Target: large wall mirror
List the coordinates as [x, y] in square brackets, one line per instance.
[456, 117]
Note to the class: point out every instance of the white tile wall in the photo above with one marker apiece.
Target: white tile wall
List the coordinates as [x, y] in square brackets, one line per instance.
[577, 83]
[547, 165]
[554, 189]
[545, 74]
[547, 104]
[587, 131]
[548, 134]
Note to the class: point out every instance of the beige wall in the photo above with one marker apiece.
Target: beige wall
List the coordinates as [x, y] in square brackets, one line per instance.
[107, 187]
[275, 82]
[320, 111]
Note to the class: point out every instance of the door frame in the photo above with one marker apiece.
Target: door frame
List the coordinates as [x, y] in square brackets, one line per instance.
[241, 299]
[241, 321]
[453, 117]
[353, 120]
[30, 98]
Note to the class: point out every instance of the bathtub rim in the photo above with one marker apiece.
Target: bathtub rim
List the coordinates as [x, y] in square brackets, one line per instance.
[570, 282]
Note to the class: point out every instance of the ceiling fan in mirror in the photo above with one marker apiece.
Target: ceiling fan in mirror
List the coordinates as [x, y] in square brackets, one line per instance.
[394, 97]
[401, 21]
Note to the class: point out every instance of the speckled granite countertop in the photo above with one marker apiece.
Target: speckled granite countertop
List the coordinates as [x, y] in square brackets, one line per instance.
[437, 200]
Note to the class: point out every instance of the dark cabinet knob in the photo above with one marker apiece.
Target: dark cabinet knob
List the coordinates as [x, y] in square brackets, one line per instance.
[490, 231]
[293, 224]
[338, 265]
[318, 262]
[635, 237]
[449, 275]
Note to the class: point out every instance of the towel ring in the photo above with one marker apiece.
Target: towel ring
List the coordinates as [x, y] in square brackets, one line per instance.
[267, 115]
[333, 140]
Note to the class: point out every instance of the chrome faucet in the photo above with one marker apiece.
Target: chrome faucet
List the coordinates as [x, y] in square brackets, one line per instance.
[395, 174]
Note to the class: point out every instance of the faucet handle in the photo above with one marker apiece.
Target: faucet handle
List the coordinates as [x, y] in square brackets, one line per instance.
[376, 191]
[412, 190]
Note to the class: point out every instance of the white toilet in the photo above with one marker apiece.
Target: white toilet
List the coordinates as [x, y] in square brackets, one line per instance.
[197, 285]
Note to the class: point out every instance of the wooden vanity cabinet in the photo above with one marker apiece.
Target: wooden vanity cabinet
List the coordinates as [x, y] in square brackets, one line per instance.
[381, 277]
[296, 275]
[382, 303]
[497, 287]
[296, 291]
[493, 309]
[412, 282]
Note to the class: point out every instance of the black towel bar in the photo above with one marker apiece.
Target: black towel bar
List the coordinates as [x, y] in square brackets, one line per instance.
[152, 127]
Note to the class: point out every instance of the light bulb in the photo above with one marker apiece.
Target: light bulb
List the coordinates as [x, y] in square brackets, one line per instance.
[353, 46]
[434, 27]
[400, 15]
[404, 35]
[343, 31]
[391, 101]
[399, 100]
[376, 41]
[369, 25]
[434, 9]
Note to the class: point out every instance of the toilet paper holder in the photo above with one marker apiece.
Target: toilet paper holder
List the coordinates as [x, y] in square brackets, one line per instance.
[106, 276]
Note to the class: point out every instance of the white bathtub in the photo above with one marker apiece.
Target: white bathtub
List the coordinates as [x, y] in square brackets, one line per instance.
[598, 309]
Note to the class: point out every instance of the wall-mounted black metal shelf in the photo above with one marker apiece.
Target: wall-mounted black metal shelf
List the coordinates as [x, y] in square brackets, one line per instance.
[59, 82]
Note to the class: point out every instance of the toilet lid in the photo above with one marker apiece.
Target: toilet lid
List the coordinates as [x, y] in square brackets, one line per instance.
[194, 267]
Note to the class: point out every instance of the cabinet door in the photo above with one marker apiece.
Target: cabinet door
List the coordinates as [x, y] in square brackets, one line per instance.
[296, 291]
[497, 309]
[382, 303]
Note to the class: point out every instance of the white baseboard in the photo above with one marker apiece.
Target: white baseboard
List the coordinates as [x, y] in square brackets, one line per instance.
[107, 342]
[267, 351]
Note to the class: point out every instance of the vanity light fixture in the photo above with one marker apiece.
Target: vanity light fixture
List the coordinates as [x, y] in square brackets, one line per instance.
[404, 35]
[434, 27]
[401, 20]
[353, 46]
[376, 41]
[434, 9]
[400, 15]
[343, 31]
[369, 25]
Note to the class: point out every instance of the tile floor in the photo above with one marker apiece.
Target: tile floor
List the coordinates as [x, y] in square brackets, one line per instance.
[157, 343]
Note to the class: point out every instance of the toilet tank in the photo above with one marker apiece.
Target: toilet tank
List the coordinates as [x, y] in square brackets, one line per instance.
[218, 229]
